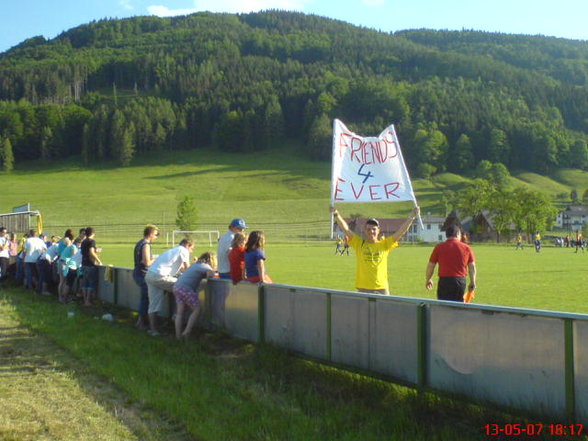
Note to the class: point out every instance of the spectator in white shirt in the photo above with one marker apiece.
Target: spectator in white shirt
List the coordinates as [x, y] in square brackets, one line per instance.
[161, 276]
[33, 248]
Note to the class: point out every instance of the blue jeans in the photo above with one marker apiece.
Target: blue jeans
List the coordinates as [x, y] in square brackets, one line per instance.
[3, 268]
[30, 272]
[139, 279]
[43, 274]
[19, 270]
[90, 279]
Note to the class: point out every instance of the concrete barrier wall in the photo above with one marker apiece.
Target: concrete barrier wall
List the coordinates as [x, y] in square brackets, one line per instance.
[296, 319]
[580, 351]
[535, 361]
[511, 359]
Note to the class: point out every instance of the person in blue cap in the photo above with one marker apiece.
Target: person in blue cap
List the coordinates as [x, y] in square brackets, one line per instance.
[224, 247]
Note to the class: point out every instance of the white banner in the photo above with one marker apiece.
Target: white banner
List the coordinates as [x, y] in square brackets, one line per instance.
[368, 169]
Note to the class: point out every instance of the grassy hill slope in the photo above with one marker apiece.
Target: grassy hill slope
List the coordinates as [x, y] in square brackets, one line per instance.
[274, 187]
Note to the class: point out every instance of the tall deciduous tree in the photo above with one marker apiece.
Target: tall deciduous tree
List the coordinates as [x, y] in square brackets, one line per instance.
[503, 207]
[475, 198]
[579, 155]
[430, 147]
[463, 157]
[534, 210]
[498, 148]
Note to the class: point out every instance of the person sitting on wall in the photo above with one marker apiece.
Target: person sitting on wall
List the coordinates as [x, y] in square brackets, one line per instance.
[237, 257]
[255, 258]
[224, 247]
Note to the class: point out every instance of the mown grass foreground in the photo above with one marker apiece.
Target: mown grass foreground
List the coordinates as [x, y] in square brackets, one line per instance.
[105, 380]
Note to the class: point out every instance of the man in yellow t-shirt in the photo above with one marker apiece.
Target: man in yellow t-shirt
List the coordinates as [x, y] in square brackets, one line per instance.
[371, 274]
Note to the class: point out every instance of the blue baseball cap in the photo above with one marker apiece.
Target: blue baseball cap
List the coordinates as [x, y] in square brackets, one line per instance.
[239, 223]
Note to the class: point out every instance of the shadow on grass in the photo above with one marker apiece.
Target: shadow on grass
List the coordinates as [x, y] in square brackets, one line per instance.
[289, 159]
[28, 358]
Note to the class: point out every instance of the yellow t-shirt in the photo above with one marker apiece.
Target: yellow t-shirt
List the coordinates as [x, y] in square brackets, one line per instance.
[371, 269]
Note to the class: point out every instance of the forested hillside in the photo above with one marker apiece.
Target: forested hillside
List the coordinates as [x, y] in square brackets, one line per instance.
[113, 89]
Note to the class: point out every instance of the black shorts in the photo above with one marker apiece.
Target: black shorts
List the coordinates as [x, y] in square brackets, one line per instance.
[71, 277]
[451, 288]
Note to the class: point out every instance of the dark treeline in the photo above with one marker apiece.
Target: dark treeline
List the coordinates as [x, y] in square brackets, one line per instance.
[113, 89]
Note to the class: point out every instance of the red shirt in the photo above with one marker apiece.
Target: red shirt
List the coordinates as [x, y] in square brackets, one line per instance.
[237, 262]
[453, 257]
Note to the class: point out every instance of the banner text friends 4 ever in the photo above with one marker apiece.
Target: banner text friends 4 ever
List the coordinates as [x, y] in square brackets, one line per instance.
[368, 169]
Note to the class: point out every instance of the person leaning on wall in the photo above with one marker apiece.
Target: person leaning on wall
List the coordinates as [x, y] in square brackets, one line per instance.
[143, 258]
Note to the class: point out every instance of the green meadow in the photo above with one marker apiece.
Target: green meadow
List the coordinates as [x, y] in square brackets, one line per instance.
[277, 187]
[131, 386]
[554, 279]
[286, 195]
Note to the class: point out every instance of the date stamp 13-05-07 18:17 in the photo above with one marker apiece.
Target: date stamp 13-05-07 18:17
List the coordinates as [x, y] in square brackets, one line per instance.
[534, 429]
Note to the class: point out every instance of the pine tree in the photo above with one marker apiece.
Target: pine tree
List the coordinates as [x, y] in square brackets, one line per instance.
[7, 155]
[127, 146]
[45, 144]
[187, 215]
[86, 144]
[117, 137]
[320, 138]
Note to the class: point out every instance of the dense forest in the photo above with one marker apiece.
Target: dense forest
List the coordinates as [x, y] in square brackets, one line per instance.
[113, 89]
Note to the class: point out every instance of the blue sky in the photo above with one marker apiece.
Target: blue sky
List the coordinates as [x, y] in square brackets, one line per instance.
[22, 19]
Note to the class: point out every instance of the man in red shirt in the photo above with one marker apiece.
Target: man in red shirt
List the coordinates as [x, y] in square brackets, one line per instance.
[455, 259]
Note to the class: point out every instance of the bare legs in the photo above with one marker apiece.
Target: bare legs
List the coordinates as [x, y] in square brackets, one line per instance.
[180, 308]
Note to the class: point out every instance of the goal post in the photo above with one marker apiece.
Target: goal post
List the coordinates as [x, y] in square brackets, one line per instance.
[210, 236]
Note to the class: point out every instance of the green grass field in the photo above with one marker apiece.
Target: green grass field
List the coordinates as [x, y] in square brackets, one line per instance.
[287, 196]
[276, 187]
[216, 388]
[551, 280]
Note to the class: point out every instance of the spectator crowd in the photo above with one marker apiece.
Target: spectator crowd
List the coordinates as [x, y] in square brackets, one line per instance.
[67, 267]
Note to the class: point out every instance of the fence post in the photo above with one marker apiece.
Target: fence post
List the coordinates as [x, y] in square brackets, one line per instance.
[569, 370]
[329, 329]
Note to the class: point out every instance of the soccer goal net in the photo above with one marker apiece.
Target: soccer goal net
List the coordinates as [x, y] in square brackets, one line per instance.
[199, 237]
